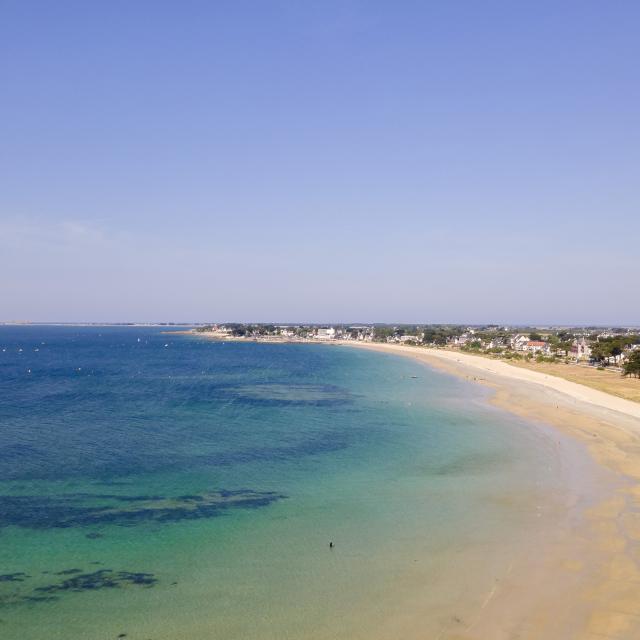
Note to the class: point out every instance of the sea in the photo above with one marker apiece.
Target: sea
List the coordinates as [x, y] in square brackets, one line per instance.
[161, 486]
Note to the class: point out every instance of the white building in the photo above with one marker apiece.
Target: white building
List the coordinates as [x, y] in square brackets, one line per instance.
[326, 334]
[519, 342]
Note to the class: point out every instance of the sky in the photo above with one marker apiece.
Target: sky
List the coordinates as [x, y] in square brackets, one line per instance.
[351, 161]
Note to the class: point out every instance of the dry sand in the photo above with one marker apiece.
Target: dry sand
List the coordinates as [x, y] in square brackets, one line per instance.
[608, 380]
[585, 583]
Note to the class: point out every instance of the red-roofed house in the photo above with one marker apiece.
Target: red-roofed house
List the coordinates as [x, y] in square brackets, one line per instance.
[537, 346]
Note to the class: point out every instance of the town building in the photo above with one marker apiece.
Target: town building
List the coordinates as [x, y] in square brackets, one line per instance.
[536, 346]
[326, 334]
[519, 342]
[580, 349]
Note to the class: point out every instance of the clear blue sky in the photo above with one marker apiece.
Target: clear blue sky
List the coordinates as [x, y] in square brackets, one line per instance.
[320, 161]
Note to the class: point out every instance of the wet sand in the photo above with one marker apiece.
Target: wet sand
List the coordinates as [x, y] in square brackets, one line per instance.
[583, 580]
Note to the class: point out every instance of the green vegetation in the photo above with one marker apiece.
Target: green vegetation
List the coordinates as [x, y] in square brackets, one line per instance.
[632, 366]
[440, 335]
[613, 347]
[512, 355]
[382, 333]
[207, 327]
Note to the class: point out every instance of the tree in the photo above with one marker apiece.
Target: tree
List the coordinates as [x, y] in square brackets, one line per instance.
[601, 351]
[535, 337]
[565, 346]
[380, 334]
[616, 351]
[632, 365]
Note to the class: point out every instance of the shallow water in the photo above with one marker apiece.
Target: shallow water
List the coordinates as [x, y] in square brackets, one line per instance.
[164, 486]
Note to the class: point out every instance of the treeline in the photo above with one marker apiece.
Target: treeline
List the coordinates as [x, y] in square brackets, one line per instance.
[239, 330]
[613, 347]
[430, 334]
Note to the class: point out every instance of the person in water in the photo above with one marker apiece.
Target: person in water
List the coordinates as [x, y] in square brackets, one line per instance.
[331, 545]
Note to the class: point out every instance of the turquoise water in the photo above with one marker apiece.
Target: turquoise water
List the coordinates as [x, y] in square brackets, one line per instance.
[164, 486]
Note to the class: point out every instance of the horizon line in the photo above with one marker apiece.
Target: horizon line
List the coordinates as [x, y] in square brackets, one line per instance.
[312, 323]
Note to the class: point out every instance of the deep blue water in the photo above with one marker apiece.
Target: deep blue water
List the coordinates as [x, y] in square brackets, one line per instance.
[110, 402]
[147, 472]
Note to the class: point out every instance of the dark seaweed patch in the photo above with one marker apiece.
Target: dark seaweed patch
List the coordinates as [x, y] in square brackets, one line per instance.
[67, 572]
[13, 577]
[102, 579]
[39, 598]
[85, 509]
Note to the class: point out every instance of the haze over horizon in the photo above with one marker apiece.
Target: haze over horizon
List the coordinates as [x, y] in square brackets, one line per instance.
[330, 162]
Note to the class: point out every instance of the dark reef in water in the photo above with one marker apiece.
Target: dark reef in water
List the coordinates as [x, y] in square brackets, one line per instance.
[102, 579]
[67, 572]
[86, 509]
[13, 577]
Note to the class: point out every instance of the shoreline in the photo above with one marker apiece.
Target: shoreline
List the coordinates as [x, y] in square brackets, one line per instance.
[579, 577]
[606, 382]
[464, 364]
[598, 562]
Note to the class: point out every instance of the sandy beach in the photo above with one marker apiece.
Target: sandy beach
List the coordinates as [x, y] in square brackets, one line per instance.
[585, 582]
[493, 370]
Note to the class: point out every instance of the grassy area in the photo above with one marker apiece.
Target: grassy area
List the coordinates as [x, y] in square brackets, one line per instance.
[609, 381]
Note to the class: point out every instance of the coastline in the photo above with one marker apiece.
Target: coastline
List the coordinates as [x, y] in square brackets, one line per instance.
[595, 561]
[465, 364]
[526, 536]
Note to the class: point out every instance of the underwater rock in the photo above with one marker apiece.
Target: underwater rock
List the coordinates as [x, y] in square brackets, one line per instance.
[67, 572]
[13, 577]
[85, 509]
[40, 598]
[102, 579]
